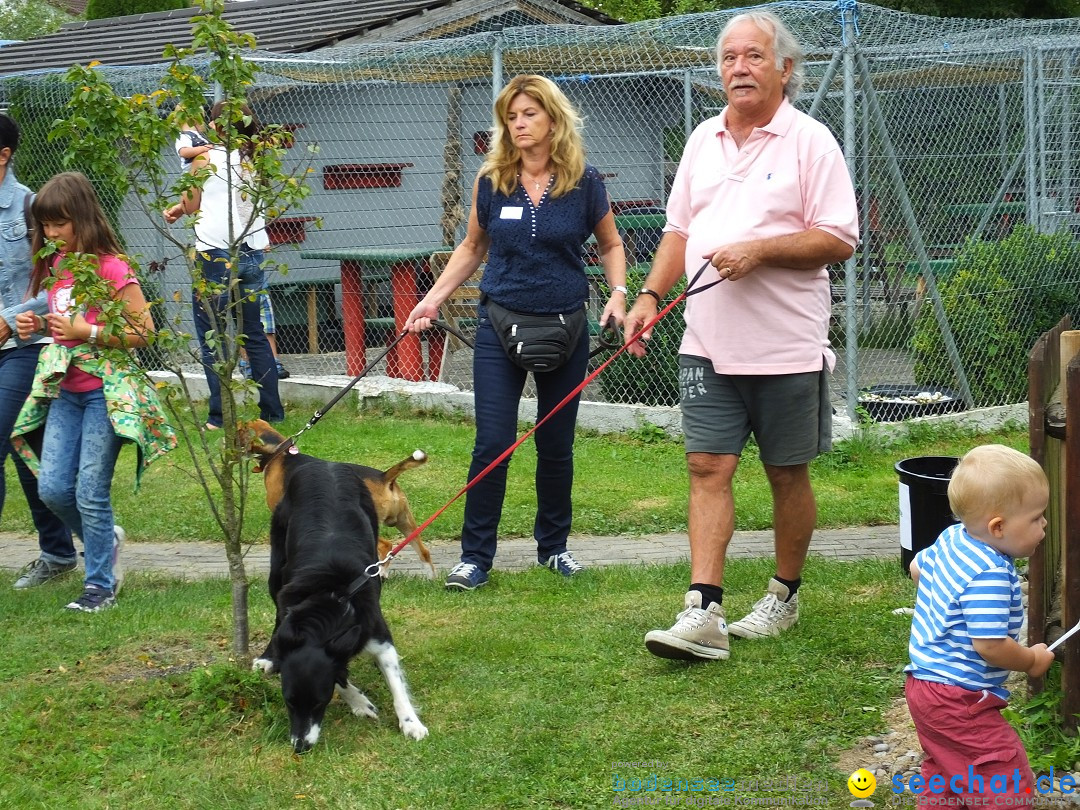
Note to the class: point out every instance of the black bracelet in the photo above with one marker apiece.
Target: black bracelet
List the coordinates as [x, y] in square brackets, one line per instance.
[653, 293]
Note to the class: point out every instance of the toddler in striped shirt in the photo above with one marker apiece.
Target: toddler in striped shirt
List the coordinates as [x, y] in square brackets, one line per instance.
[966, 629]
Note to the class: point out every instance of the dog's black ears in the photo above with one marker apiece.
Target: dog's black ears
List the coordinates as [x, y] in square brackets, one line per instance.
[344, 644]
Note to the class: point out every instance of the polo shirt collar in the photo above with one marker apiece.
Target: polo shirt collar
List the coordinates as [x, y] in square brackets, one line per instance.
[779, 125]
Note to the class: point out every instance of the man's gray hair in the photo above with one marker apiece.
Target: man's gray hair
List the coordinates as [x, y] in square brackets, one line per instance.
[785, 46]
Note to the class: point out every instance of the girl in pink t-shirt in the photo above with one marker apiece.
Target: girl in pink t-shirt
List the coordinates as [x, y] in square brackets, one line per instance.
[80, 447]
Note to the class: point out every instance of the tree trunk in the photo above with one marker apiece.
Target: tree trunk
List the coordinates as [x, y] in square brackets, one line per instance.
[453, 167]
[232, 512]
[241, 630]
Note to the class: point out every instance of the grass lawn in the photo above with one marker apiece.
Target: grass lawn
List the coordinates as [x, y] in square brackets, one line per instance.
[624, 484]
[532, 689]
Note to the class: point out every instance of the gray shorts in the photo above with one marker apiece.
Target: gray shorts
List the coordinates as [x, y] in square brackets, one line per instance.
[789, 415]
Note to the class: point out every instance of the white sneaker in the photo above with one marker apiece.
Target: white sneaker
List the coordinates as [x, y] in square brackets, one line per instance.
[119, 538]
[697, 633]
[771, 614]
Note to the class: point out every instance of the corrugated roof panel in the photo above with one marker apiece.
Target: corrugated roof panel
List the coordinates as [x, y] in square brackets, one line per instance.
[283, 26]
[279, 25]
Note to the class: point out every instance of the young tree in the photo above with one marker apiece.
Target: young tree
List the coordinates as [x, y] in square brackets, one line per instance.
[122, 140]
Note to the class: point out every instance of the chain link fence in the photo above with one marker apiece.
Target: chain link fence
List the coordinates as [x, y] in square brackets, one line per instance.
[959, 134]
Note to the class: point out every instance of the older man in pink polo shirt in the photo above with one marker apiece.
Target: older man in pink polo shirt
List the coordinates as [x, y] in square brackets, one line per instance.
[763, 192]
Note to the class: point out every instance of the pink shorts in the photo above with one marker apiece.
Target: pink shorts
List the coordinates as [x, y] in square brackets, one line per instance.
[970, 745]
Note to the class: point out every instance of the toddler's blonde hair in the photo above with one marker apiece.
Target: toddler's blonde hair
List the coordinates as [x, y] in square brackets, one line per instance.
[993, 480]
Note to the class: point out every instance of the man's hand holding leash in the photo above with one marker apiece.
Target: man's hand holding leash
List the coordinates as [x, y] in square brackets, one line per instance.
[733, 261]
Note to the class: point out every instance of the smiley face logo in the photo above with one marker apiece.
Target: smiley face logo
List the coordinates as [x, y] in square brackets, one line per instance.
[862, 784]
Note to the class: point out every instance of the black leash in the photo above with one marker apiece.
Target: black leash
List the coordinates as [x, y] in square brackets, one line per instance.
[609, 339]
[319, 414]
[359, 582]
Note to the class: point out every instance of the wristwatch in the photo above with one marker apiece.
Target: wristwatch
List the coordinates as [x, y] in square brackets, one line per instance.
[619, 288]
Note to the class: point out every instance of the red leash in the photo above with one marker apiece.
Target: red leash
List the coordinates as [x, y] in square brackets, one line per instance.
[506, 453]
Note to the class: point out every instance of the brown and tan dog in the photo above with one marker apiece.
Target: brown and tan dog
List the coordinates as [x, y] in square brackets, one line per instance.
[391, 505]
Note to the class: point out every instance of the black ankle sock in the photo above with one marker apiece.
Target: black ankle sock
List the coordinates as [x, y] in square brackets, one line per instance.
[709, 593]
[791, 584]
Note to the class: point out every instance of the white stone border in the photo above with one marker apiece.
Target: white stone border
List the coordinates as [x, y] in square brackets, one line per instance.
[602, 417]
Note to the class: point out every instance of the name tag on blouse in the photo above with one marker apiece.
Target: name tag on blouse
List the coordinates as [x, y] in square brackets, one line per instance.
[511, 212]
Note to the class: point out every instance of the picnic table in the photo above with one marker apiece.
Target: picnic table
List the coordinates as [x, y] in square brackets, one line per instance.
[1000, 216]
[633, 227]
[978, 209]
[404, 266]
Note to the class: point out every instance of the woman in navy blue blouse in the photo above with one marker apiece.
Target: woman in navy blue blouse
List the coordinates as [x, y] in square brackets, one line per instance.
[535, 204]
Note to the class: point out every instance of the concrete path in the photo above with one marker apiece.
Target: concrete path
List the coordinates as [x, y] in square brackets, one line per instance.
[196, 560]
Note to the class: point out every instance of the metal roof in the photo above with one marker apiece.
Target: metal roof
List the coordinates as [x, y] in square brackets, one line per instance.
[281, 26]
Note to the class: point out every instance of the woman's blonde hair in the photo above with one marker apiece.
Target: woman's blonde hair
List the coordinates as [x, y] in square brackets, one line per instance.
[69, 197]
[993, 480]
[567, 148]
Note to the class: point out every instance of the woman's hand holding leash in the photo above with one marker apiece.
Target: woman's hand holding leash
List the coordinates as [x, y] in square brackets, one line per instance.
[614, 310]
[422, 317]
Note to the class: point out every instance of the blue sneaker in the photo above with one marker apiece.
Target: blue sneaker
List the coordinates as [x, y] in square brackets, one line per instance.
[93, 600]
[466, 577]
[564, 564]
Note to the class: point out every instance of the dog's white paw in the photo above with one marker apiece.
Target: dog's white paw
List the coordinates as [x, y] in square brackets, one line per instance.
[358, 701]
[365, 709]
[412, 728]
[264, 665]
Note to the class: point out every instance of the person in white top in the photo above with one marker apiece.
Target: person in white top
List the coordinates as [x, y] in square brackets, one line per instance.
[227, 215]
[762, 196]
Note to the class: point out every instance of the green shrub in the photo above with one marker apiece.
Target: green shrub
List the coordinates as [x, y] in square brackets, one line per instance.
[104, 9]
[653, 379]
[1041, 725]
[999, 297]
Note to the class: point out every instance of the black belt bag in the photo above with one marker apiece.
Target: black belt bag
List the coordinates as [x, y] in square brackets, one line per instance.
[537, 342]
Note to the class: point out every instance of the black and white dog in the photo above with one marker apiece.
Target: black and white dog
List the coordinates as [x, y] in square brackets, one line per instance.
[322, 536]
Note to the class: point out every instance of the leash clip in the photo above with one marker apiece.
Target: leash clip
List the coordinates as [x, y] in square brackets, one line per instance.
[376, 568]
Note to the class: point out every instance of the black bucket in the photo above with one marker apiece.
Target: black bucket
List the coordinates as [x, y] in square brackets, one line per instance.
[924, 502]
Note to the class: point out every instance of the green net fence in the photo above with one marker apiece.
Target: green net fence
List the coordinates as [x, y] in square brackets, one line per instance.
[959, 133]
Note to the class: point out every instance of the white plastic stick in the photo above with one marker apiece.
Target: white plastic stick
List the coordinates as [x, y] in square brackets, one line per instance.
[1072, 630]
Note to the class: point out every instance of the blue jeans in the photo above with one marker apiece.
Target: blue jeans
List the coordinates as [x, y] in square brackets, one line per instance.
[250, 281]
[78, 456]
[498, 384]
[17, 368]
